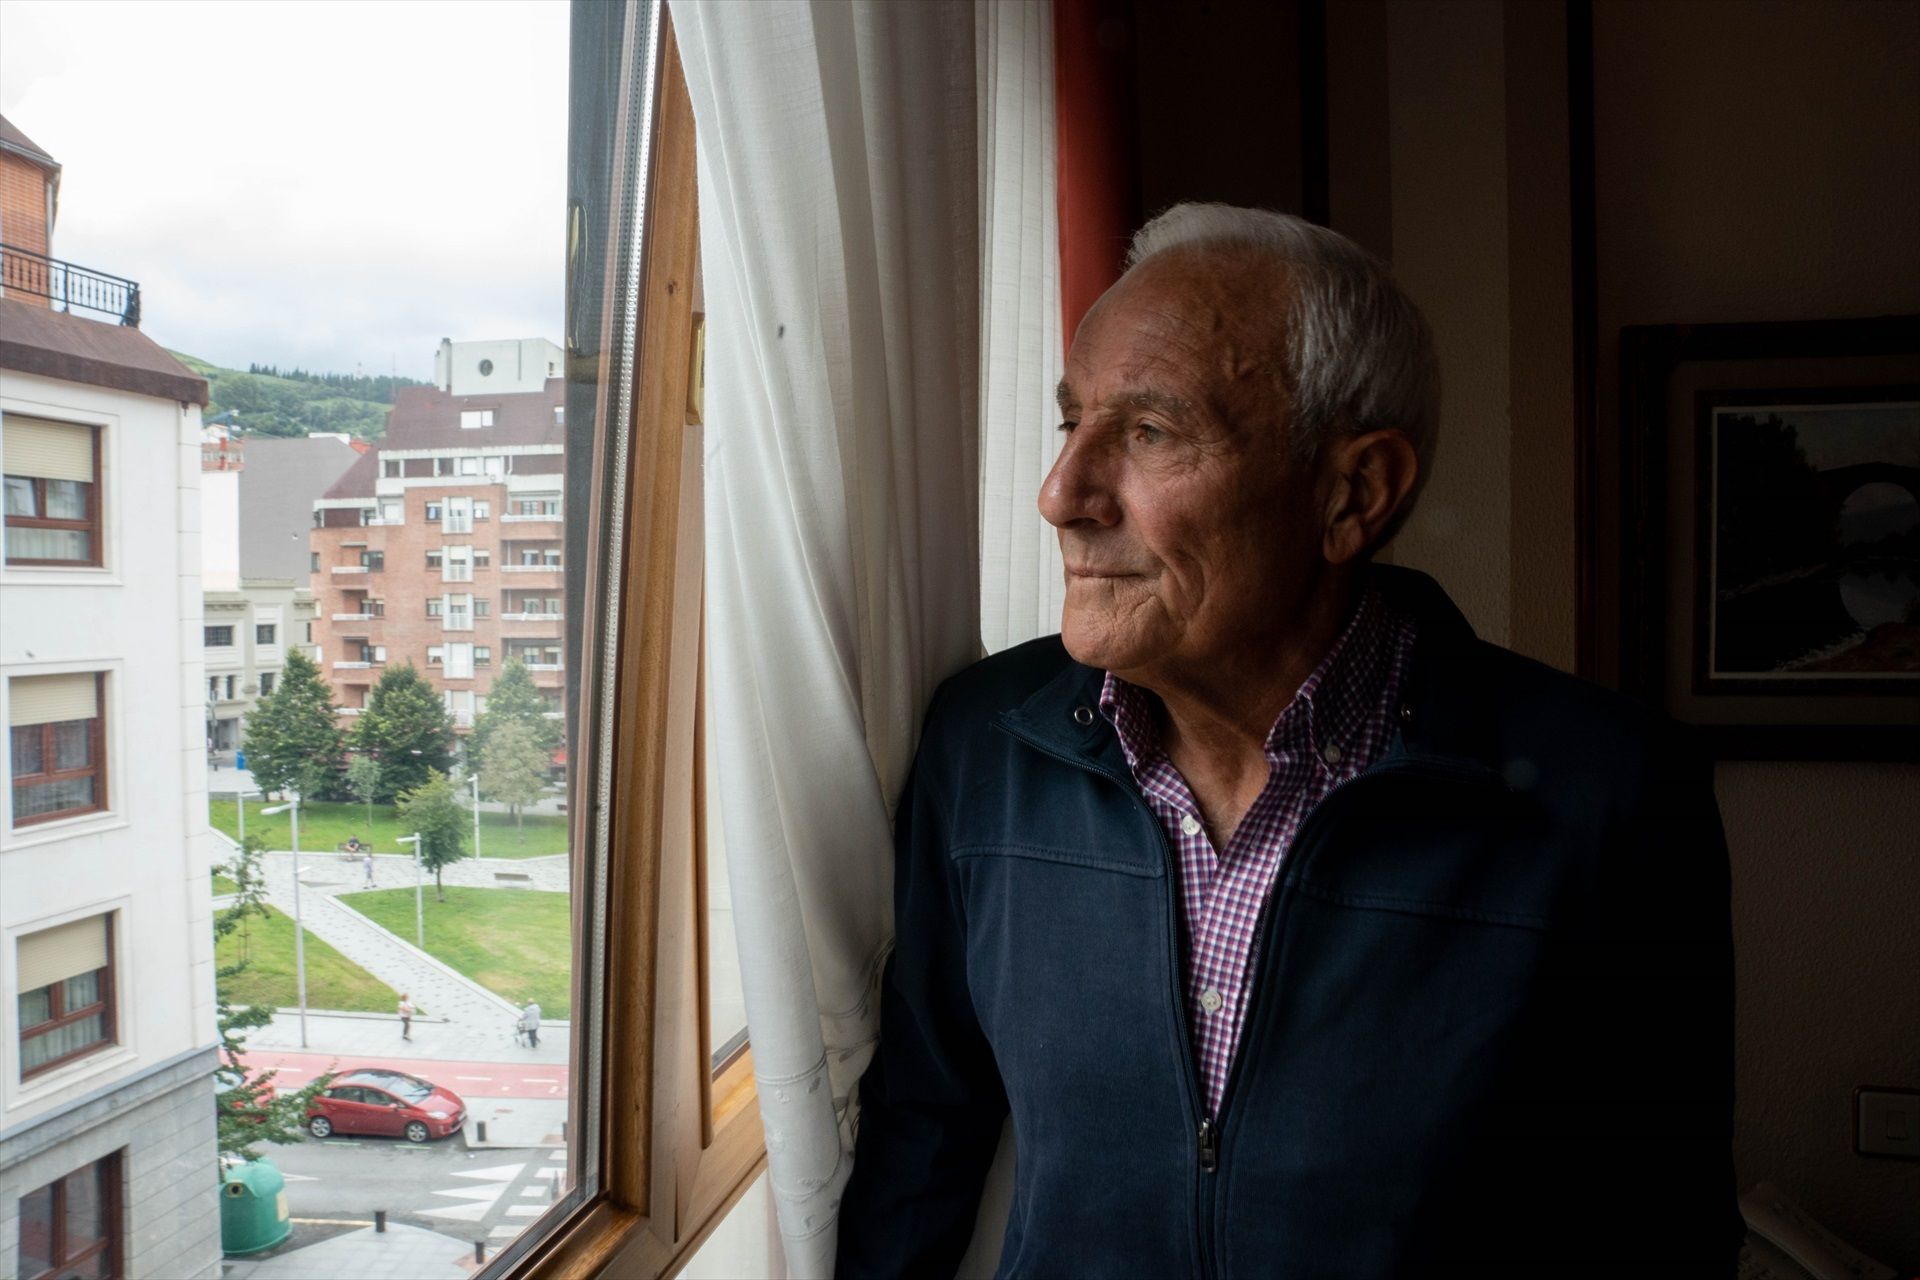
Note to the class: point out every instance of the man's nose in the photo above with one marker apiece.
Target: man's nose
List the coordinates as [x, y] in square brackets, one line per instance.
[1080, 485]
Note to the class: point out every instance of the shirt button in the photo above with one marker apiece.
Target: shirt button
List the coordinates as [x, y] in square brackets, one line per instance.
[1210, 1000]
[1331, 754]
[1190, 825]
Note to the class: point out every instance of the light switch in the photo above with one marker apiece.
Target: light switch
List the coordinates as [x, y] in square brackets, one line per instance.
[1886, 1122]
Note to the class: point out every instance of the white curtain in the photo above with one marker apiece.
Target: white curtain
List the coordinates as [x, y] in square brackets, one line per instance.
[1021, 582]
[840, 245]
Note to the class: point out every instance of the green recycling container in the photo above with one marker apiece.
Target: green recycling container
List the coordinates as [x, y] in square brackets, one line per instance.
[253, 1208]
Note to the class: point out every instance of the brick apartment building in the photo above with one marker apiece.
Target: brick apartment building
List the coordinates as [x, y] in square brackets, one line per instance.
[442, 546]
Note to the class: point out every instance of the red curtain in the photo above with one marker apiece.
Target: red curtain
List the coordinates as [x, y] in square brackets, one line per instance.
[1096, 158]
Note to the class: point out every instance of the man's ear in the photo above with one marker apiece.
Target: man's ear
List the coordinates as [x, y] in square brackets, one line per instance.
[1367, 479]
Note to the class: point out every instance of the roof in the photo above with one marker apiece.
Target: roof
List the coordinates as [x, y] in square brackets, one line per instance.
[11, 139]
[58, 344]
[277, 488]
[429, 418]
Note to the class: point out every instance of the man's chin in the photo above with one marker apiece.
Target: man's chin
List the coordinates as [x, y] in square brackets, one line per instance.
[1095, 642]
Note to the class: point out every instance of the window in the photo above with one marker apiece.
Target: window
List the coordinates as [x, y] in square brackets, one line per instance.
[57, 746]
[433, 558]
[433, 512]
[496, 466]
[458, 517]
[537, 508]
[213, 688]
[482, 607]
[309, 639]
[459, 615]
[373, 561]
[265, 633]
[391, 468]
[482, 655]
[482, 558]
[392, 511]
[459, 662]
[70, 1228]
[52, 492]
[66, 993]
[472, 418]
[313, 562]
[481, 509]
[436, 606]
[469, 466]
[266, 681]
[217, 637]
[436, 655]
[230, 688]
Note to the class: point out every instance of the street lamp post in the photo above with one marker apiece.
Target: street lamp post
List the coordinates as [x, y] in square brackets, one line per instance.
[475, 776]
[419, 892]
[240, 805]
[299, 934]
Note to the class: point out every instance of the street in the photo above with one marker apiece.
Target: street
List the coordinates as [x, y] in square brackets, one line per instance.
[473, 1081]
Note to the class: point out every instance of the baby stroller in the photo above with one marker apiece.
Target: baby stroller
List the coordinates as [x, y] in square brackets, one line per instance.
[520, 1036]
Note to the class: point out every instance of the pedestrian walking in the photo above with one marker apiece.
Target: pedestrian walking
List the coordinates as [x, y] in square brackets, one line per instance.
[366, 864]
[406, 1017]
[530, 1023]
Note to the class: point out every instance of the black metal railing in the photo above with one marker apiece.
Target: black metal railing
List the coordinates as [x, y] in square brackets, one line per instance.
[68, 287]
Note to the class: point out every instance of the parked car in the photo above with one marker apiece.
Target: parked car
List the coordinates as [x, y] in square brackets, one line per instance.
[225, 1081]
[389, 1103]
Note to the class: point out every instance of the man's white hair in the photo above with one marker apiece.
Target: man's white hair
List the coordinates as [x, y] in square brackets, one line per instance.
[1357, 354]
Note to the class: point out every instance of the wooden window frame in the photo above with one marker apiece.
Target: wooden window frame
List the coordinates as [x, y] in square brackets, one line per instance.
[675, 1145]
[112, 1245]
[90, 525]
[96, 767]
[106, 1006]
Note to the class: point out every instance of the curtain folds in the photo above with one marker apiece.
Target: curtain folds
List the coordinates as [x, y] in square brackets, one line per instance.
[840, 247]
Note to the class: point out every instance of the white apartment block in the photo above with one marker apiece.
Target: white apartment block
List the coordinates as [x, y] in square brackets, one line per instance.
[108, 1161]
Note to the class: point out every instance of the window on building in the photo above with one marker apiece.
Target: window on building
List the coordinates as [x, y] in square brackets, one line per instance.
[266, 681]
[436, 655]
[373, 561]
[436, 606]
[52, 492]
[458, 566]
[482, 558]
[469, 466]
[459, 662]
[482, 607]
[57, 746]
[433, 558]
[313, 562]
[392, 512]
[391, 468]
[495, 466]
[230, 687]
[71, 1227]
[433, 512]
[213, 688]
[309, 639]
[482, 655]
[66, 993]
[459, 615]
[481, 509]
[458, 517]
[472, 418]
[216, 637]
[265, 633]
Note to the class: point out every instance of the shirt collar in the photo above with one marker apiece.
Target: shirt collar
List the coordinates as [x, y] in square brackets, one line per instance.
[1326, 711]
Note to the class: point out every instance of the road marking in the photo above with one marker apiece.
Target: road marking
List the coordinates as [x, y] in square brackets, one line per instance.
[558, 1155]
[460, 1212]
[525, 1210]
[338, 1142]
[504, 1232]
[483, 1078]
[539, 1080]
[529, 1192]
[488, 1194]
[551, 1173]
[493, 1173]
[297, 1177]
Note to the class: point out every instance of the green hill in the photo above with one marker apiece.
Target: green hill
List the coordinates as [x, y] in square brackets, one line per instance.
[267, 401]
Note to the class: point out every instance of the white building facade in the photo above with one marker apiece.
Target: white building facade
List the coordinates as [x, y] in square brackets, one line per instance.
[107, 1027]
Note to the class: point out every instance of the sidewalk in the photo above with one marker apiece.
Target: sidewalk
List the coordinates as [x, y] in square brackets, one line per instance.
[399, 1253]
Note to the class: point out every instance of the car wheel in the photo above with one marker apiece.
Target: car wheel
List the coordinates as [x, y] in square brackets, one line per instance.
[416, 1131]
[320, 1127]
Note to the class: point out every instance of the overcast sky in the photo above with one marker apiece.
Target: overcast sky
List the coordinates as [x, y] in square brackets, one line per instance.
[333, 185]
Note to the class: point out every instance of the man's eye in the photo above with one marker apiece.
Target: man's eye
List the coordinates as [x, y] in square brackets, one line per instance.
[1068, 426]
[1149, 433]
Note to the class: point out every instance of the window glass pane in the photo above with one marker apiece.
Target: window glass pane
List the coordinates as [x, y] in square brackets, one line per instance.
[73, 743]
[86, 1210]
[20, 499]
[35, 799]
[48, 1046]
[49, 544]
[36, 1232]
[27, 750]
[67, 499]
[36, 1006]
[81, 991]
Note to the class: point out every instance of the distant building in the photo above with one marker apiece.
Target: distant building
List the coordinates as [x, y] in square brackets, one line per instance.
[441, 547]
[256, 500]
[107, 1034]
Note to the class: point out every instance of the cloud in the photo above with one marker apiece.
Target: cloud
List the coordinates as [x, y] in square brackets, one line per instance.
[327, 185]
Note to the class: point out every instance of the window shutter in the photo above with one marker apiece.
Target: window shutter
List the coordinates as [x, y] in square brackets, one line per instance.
[52, 699]
[48, 450]
[64, 951]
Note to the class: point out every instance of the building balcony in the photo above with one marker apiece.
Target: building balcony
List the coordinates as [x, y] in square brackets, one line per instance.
[347, 568]
[352, 666]
[67, 287]
[530, 617]
[530, 568]
[349, 711]
[545, 666]
[524, 519]
[359, 617]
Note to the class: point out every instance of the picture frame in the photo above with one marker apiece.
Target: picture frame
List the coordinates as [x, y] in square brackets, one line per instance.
[1770, 534]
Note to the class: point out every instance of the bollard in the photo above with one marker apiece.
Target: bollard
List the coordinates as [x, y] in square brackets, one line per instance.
[563, 1131]
[379, 1220]
[479, 1251]
[481, 1125]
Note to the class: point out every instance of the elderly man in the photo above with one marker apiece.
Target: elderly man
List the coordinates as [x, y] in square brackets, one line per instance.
[1302, 933]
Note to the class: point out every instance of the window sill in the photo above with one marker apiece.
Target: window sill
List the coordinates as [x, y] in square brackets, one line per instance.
[27, 575]
[83, 824]
[61, 1079]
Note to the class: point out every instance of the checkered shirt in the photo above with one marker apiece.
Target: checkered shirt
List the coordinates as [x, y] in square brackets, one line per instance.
[1337, 724]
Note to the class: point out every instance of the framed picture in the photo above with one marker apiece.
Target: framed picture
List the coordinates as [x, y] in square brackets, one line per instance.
[1771, 530]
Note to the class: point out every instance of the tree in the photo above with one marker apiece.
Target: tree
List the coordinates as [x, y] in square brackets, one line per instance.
[363, 780]
[513, 768]
[406, 727]
[433, 810]
[250, 1112]
[513, 699]
[293, 737]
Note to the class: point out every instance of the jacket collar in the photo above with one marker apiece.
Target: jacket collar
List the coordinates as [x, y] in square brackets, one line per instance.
[1444, 718]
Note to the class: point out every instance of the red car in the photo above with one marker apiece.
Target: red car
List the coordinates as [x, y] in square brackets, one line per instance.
[388, 1103]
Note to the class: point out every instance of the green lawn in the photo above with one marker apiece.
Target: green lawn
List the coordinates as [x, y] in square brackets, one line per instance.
[223, 885]
[326, 825]
[514, 942]
[333, 981]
